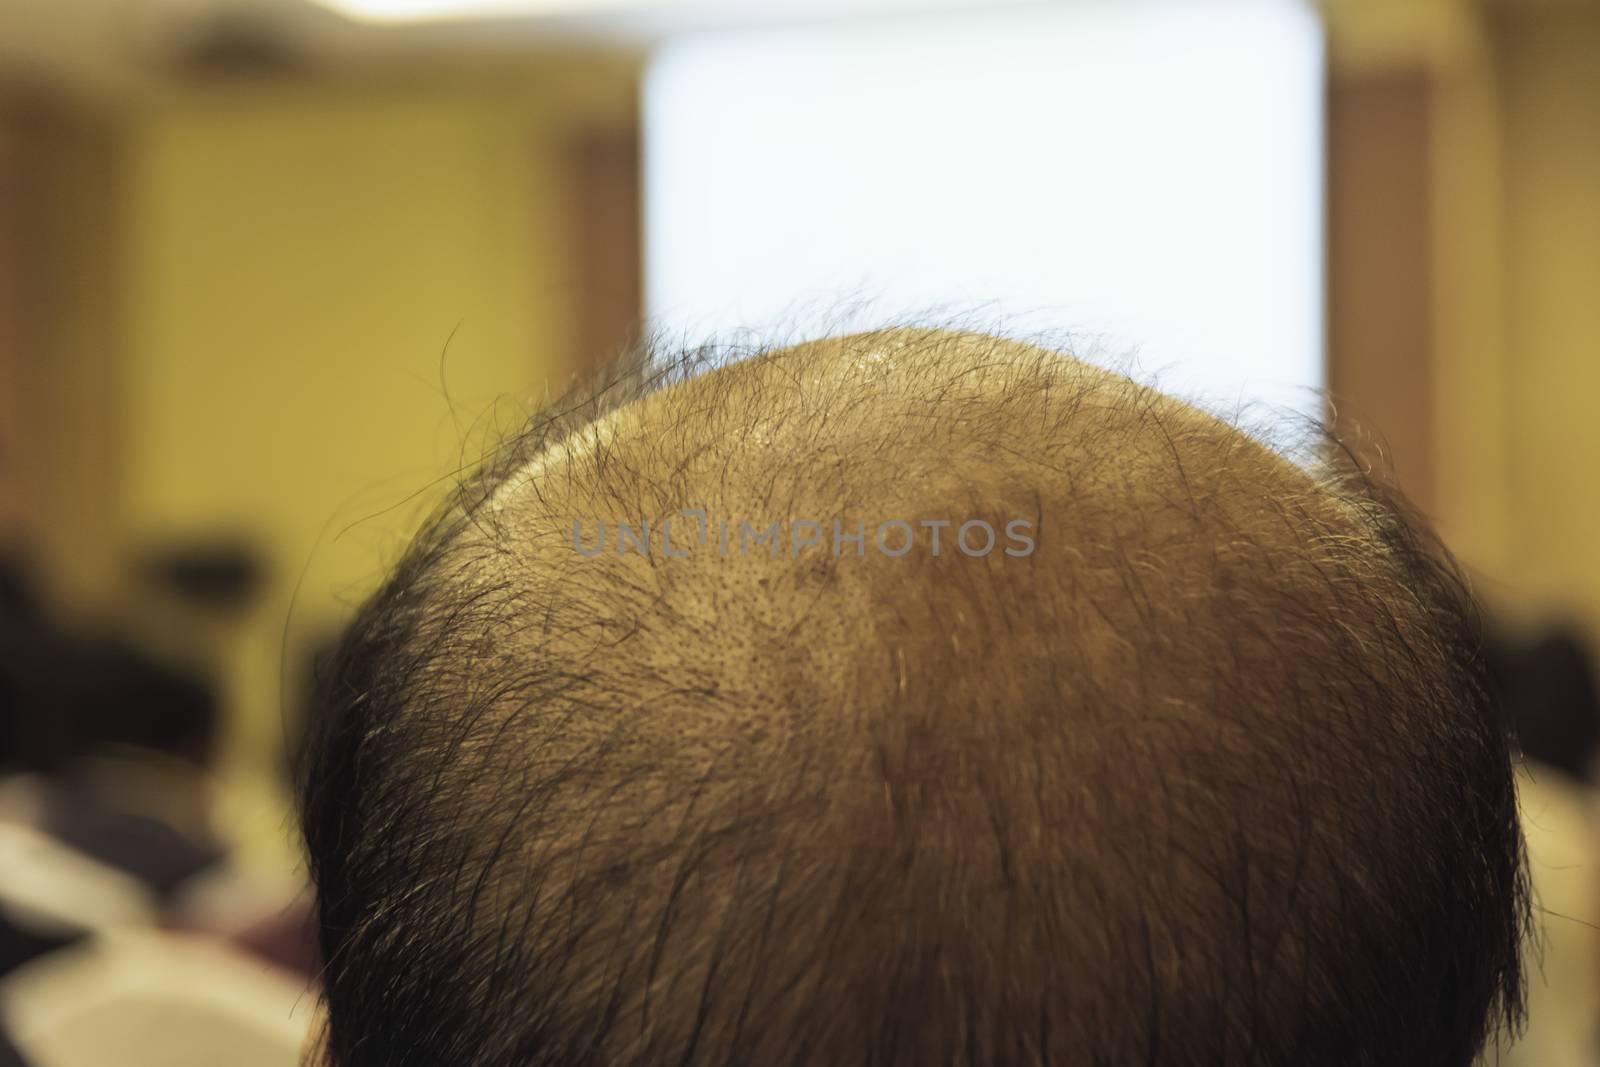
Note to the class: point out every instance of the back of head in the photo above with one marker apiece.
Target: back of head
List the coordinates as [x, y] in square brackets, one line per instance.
[909, 698]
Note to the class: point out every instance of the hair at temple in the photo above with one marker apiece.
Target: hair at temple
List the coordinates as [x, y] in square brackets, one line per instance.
[1212, 776]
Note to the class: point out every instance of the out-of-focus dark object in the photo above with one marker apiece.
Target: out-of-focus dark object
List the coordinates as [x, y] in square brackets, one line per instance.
[134, 816]
[119, 743]
[235, 41]
[20, 943]
[69, 696]
[19, 599]
[220, 576]
[20, 634]
[1548, 690]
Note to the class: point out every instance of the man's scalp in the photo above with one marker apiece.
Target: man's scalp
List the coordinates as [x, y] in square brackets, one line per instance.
[1209, 774]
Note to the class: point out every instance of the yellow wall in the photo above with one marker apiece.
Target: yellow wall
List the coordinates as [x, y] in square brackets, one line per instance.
[293, 263]
[1514, 185]
[1550, 68]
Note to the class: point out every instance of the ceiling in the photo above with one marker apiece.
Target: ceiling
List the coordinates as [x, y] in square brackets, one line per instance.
[117, 47]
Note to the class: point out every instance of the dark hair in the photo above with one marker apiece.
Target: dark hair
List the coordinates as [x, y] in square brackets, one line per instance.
[1212, 777]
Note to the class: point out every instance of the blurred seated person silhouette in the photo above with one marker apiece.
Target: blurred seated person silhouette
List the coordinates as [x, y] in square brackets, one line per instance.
[1546, 684]
[121, 917]
[913, 697]
[116, 746]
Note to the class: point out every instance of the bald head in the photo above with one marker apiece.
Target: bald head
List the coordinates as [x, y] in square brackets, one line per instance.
[912, 697]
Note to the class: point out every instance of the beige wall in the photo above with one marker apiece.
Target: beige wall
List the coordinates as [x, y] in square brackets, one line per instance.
[295, 263]
[1477, 360]
[1550, 67]
[233, 320]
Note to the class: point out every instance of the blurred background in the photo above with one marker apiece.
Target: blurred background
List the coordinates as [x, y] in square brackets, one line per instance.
[273, 271]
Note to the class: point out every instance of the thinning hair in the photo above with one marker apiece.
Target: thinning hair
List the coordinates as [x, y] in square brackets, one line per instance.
[1208, 773]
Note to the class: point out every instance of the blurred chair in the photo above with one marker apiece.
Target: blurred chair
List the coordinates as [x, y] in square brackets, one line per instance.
[142, 998]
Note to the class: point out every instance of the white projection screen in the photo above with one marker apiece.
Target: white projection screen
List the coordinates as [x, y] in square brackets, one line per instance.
[1142, 178]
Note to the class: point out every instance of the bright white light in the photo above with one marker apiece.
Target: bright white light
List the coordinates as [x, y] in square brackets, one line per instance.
[1146, 173]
